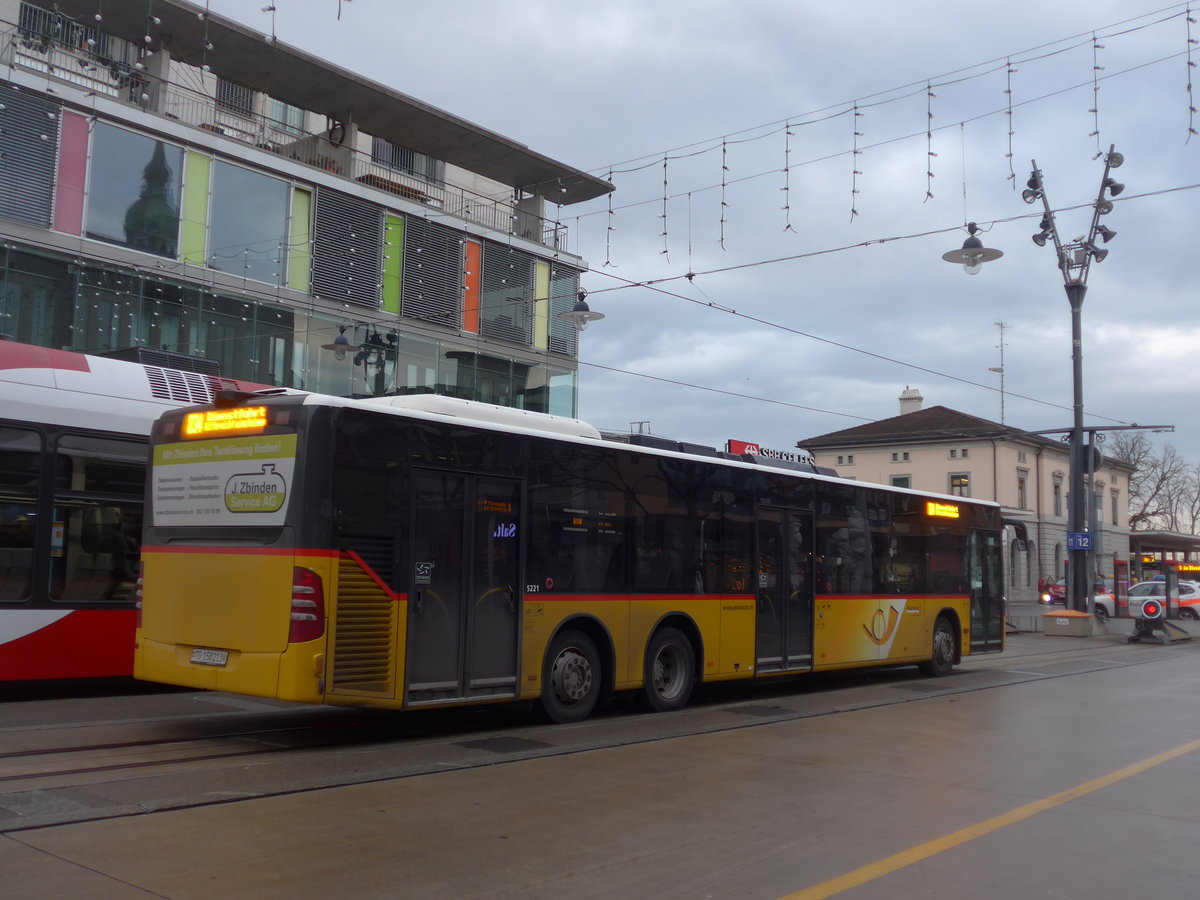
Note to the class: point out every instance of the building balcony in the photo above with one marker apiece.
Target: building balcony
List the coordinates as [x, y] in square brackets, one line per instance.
[69, 59]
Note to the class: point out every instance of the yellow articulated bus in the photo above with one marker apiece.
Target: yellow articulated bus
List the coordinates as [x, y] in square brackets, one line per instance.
[406, 552]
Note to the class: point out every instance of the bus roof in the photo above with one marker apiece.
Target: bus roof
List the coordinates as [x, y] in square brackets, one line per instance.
[439, 408]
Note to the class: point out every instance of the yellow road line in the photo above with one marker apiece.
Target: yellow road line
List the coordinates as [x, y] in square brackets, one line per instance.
[890, 864]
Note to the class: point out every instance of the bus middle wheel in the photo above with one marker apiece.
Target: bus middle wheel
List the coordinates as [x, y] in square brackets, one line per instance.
[571, 677]
[670, 671]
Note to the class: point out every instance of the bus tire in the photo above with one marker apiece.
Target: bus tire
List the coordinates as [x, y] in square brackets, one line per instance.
[670, 671]
[942, 662]
[571, 677]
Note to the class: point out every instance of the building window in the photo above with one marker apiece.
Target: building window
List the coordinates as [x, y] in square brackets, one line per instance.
[903, 481]
[234, 97]
[850, 460]
[1116, 499]
[841, 461]
[287, 118]
[133, 191]
[248, 224]
[954, 454]
[404, 159]
[960, 484]
[1021, 456]
[895, 457]
[904, 456]
[1058, 498]
[966, 452]
[1022, 489]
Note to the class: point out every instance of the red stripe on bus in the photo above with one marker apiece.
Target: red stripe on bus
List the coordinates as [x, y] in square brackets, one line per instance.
[243, 551]
[86, 643]
[657, 598]
[25, 356]
[374, 577]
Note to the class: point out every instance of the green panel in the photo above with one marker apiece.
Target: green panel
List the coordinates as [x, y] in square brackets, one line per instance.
[541, 305]
[393, 263]
[197, 180]
[300, 241]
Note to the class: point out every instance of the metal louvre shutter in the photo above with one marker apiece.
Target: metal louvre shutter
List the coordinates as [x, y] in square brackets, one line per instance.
[29, 144]
[433, 272]
[564, 290]
[506, 301]
[347, 249]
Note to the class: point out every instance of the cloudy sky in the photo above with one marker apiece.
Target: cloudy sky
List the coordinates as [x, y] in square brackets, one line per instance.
[807, 164]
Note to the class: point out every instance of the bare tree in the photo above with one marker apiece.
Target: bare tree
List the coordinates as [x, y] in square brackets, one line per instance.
[1164, 490]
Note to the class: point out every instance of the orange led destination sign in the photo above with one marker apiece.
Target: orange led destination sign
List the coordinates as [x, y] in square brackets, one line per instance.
[941, 510]
[225, 421]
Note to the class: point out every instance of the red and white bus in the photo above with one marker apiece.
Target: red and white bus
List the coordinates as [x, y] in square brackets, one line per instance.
[73, 439]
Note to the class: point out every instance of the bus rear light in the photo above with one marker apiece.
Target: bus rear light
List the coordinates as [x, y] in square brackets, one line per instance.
[308, 606]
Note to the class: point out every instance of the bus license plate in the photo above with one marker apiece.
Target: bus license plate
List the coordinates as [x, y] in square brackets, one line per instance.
[205, 657]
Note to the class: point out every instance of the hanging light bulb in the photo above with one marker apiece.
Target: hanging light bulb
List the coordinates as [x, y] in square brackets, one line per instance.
[973, 254]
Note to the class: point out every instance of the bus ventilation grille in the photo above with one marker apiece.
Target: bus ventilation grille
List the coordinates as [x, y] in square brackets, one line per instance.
[182, 387]
[363, 635]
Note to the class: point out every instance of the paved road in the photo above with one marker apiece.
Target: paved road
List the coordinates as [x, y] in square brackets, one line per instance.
[1065, 768]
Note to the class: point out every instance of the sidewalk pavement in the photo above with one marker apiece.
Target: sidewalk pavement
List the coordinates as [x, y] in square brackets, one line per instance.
[1029, 618]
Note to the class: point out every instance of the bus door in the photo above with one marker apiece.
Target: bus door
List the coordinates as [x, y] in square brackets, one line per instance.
[987, 599]
[463, 621]
[784, 623]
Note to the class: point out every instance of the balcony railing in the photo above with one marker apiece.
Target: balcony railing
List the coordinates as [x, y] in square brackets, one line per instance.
[128, 84]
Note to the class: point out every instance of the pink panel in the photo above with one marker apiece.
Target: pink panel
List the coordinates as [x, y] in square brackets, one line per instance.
[72, 174]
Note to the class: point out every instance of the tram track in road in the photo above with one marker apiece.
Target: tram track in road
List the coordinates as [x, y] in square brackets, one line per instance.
[197, 761]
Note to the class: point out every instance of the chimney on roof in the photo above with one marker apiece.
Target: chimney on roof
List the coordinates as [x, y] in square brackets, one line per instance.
[910, 400]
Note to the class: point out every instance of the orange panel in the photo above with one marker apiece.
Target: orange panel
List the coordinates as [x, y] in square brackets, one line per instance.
[474, 261]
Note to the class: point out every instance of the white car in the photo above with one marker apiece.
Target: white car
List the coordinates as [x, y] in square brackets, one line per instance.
[1189, 597]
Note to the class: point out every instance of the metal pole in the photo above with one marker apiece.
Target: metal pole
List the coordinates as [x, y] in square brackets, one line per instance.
[1078, 588]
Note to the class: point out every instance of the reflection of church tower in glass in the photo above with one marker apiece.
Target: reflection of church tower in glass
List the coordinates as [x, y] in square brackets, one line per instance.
[152, 220]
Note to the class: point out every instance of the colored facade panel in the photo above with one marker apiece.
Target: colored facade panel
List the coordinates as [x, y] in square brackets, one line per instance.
[541, 305]
[299, 256]
[471, 273]
[194, 231]
[393, 263]
[72, 174]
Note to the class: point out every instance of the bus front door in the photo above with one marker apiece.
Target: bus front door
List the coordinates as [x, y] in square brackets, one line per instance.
[784, 622]
[463, 624]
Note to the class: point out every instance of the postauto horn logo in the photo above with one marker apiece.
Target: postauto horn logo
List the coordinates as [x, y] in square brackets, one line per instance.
[256, 492]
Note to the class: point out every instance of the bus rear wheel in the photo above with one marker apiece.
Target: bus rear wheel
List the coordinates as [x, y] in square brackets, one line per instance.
[571, 677]
[670, 671]
[942, 662]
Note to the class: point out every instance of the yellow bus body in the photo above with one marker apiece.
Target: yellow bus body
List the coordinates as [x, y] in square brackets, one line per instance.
[238, 602]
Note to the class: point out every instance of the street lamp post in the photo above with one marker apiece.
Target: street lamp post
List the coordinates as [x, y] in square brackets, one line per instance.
[1074, 261]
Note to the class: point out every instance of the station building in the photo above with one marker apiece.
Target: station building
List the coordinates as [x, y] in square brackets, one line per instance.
[175, 185]
[951, 452]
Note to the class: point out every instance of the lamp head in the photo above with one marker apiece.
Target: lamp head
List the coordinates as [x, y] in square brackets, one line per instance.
[581, 314]
[973, 254]
[340, 344]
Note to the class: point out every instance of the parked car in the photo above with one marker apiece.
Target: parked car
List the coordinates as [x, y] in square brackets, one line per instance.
[1189, 596]
[1057, 592]
[1105, 597]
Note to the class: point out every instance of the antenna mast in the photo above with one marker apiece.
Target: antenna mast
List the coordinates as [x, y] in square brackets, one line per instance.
[1000, 369]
